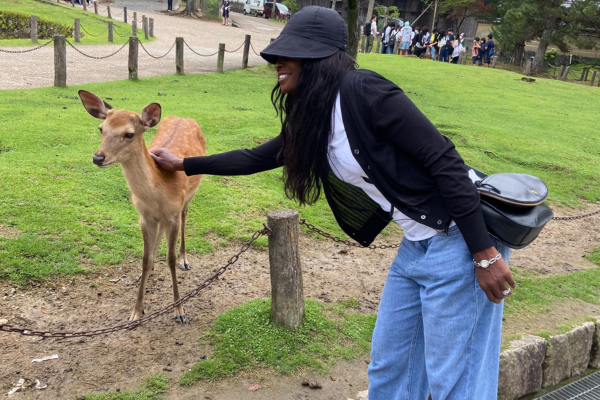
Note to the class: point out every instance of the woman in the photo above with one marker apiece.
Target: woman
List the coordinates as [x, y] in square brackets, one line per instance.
[433, 43]
[225, 7]
[355, 137]
[405, 33]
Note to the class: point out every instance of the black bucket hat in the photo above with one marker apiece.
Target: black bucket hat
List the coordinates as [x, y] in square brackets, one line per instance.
[312, 33]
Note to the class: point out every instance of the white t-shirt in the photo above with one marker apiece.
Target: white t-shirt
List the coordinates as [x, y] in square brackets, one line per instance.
[374, 28]
[406, 33]
[346, 168]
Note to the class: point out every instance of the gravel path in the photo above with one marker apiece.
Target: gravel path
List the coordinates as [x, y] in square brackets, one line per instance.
[35, 69]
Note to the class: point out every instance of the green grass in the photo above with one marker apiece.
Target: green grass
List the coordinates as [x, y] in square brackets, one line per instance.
[244, 338]
[150, 389]
[72, 216]
[65, 15]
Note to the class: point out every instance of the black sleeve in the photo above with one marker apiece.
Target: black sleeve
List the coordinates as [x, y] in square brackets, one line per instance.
[237, 162]
[400, 122]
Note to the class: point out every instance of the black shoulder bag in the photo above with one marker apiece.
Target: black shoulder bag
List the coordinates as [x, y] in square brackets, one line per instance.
[513, 207]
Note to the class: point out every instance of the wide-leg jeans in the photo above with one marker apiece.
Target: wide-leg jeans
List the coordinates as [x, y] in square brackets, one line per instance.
[436, 331]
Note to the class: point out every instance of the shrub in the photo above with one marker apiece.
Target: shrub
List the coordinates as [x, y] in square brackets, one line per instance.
[17, 26]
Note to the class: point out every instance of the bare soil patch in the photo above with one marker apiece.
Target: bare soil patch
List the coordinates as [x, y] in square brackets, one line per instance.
[121, 360]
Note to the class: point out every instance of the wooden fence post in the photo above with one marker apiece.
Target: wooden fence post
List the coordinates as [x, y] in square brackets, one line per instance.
[151, 27]
[561, 71]
[84, 5]
[566, 73]
[77, 31]
[95, 7]
[33, 34]
[246, 52]
[60, 61]
[145, 26]
[133, 58]
[179, 55]
[134, 27]
[287, 298]
[221, 57]
[582, 74]
[110, 31]
[593, 78]
[125, 14]
[107, 10]
[587, 71]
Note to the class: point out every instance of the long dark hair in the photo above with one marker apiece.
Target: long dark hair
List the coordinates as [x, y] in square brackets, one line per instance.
[306, 124]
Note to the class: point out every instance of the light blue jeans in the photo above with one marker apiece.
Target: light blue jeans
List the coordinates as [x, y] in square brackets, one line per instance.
[436, 331]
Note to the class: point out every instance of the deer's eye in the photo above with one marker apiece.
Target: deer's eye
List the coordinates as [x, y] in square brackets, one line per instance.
[129, 135]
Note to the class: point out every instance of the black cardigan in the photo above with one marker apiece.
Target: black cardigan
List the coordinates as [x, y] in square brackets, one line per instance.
[416, 169]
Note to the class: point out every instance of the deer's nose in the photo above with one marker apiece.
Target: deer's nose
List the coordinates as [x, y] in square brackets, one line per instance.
[98, 160]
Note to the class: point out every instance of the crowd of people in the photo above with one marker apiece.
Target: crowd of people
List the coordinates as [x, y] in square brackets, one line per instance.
[439, 45]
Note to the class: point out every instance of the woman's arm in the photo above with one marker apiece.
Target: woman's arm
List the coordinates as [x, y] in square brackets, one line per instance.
[236, 162]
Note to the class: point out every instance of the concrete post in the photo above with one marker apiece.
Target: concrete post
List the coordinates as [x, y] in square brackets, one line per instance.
[108, 10]
[77, 31]
[110, 31]
[221, 57]
[95, 7]
[125, 14]
[151, 27]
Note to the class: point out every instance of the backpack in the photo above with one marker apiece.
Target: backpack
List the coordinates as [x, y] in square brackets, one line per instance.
[367, 29]
[392, 38]
[449, 47]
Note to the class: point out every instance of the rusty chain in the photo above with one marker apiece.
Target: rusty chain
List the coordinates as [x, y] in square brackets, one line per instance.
[28, 50]
[233, 51]
[201, 55]
[157, 57]
[94, 57]
[91, 34]
[254, 50]
[132, 324]
[576, 216]
[346, 242]
[117, 32]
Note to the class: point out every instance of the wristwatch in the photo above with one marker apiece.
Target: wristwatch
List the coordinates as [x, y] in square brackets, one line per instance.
[487, 263]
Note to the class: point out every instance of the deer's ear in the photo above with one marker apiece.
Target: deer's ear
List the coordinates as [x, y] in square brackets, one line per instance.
[94, 104]
[151, 115]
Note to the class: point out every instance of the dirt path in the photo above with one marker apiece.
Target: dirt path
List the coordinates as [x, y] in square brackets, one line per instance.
[122, 360]
[202, 36]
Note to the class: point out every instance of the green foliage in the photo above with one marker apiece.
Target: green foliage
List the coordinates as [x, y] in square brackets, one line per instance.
[394, 12]
[150, 388]
[551, 56]
[211, 9]
[11, 23]
[594, 256]
[292, 5]
[245, 337]
[54, 17]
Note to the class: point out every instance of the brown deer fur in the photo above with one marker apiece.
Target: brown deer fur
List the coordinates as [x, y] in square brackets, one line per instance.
[160, 197]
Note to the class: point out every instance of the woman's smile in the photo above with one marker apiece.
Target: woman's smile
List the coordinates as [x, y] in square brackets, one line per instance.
[288, 73]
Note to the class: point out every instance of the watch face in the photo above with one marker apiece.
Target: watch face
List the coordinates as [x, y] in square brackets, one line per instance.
[484, 263]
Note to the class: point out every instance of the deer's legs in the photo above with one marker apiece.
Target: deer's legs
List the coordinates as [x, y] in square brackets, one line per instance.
[159, 235]
[172, 233]
[150, 232]
[183, 263]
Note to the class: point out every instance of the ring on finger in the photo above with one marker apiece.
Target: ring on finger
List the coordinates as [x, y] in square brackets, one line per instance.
[506, 292]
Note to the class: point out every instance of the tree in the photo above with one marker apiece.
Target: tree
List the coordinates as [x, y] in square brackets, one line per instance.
[463, 9]
[191, 8]
[353, 29]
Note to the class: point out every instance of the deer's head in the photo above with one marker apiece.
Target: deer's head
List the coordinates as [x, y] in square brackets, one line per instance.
[122, 131]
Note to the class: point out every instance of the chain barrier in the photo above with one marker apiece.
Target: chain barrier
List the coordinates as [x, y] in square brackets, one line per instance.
[118, 34]
[233, 51]
[253, 49]
[157, 57]
[114, 14]
[201, 55]
[28, 50]
[132, 324]
[349, 243]
[94, 57]
[91, 34]
[576, 216]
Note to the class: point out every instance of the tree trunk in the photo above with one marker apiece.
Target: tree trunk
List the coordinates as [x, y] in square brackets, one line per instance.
[539, 61]
[191, 8]
[370, 10]
[434, 15]
[353, 30]
[519, 56]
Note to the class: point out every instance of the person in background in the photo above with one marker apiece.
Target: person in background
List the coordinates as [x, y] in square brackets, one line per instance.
[411, 49]
[405, 34]
[455, 52]
[225, 8]
[488, 51]
[372, 35]
[169, 5]
[433, 43]
[475, 51]
[442, 46]
[386, 39]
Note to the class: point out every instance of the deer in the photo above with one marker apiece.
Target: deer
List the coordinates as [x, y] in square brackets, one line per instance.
[160, 197]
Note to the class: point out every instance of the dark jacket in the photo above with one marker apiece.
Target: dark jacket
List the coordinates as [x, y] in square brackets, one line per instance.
[414, 167]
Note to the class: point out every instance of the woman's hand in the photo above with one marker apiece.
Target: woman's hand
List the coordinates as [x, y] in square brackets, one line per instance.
[167, 160]
[493, 279]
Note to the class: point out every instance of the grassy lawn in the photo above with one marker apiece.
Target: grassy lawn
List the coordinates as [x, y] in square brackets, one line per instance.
[65, 15]
[150, 389]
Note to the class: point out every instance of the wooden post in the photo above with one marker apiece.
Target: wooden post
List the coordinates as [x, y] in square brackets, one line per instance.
[561, 71]
[95, 7]
[145, 26]
[34, 29]
[108, 10]
[396, 44]
[125, 14]
[77, 31]
[135, 16]
[133, 58]
[287, 298]
[566, 73]
[593, 78]
[582, 74]
[494, 60]
[246, 52]
[84, 5]
[378, 44]
[179, 55]
[363, 44]
[151, 27]
[221, 57]
[134, 27]
[587, 71]
[60, 61]
[110, 31]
